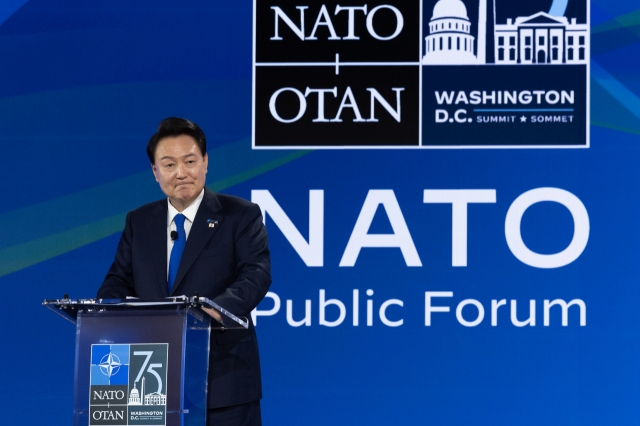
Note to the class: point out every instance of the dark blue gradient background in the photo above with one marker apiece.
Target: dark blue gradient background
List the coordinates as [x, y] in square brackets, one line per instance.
[82, 87]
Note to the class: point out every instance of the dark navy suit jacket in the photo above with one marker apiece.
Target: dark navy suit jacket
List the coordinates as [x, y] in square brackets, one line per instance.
[228, 263]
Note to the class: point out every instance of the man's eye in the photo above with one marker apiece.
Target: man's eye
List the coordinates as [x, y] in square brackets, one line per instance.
[169, 165]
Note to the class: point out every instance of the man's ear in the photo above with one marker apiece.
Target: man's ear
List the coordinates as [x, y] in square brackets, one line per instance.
[206, 162]
[155, 171]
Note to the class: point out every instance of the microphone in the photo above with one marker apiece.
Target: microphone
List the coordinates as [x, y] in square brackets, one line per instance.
[174, 235]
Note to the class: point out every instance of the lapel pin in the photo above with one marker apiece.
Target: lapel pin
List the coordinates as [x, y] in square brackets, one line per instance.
[212, 223]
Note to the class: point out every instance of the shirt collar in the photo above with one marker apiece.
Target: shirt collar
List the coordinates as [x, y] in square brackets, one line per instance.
[189, 212]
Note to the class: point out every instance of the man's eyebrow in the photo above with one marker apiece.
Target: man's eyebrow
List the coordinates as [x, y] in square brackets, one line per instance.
[168, 157]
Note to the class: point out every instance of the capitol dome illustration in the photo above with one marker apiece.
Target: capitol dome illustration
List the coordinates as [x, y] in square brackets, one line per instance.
[450, 41]
[449, 8]
[134, 396]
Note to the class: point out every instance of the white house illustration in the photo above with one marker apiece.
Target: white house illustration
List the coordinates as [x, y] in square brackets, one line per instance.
[537, 39]
[155, 398]
[541, 39]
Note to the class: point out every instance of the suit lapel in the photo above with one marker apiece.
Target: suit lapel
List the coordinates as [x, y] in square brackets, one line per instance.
[205, 225]
[157, 230]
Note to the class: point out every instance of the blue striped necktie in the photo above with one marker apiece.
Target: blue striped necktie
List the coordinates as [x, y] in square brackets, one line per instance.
[178, 248]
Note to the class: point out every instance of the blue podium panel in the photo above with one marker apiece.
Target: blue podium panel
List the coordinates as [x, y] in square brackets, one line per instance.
[143, 362]
[141, 367]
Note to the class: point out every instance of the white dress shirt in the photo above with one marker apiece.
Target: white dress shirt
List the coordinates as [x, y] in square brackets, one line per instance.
[189, 214]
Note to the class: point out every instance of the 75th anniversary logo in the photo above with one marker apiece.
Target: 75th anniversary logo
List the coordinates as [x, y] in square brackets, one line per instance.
[421, 74]
[128, 384]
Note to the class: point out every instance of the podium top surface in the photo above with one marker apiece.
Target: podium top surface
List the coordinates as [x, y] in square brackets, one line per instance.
[223, 319]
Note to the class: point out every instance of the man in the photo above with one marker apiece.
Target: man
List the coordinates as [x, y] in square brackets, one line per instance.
[199, 241]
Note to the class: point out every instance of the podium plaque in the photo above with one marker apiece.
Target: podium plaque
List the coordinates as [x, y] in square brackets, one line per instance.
[142, 362]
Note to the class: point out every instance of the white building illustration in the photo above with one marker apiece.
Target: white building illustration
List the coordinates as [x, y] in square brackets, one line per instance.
[541, 39]
[140, 398]
[537, 39]
[450, 41]
[155, 398]
[134, 396]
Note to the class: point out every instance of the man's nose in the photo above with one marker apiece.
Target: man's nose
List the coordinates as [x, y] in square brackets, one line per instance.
[180, 172]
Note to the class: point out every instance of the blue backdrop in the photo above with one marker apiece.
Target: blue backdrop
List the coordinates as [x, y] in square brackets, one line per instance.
[85, 83]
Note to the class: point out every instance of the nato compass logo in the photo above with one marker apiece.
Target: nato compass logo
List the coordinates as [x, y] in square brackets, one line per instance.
[505, 73]
[128, 384]
[110, 364]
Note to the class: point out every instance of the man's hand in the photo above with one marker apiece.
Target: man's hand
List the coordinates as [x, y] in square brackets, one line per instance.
[214, 314]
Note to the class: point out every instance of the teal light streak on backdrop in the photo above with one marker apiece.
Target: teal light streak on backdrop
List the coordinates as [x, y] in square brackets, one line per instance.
[75, 120]
[63, 233]
[614, 104]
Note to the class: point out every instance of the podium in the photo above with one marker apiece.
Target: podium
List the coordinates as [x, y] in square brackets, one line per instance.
[142, 362]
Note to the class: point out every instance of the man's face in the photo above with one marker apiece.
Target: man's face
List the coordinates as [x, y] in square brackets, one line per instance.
[180, 169]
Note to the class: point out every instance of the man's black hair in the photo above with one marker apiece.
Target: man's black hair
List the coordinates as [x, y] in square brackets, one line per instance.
[173, 127]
